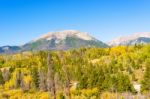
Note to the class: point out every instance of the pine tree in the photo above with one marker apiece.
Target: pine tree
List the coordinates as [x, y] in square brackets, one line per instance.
[18, 79]
[35, 77]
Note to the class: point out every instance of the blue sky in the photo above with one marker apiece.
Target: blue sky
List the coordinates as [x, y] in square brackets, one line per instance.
[24, 20]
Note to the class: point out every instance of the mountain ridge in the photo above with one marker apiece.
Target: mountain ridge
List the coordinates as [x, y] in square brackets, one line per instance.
[63, 34]
[131, 39]
[59, 40]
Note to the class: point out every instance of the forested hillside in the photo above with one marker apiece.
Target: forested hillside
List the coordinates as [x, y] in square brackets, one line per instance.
[85, 73]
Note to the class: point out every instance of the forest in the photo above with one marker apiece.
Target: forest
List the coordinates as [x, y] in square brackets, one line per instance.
[84, 73]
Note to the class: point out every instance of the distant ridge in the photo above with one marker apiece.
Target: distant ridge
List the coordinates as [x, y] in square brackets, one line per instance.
[137, 38]
[60, 40]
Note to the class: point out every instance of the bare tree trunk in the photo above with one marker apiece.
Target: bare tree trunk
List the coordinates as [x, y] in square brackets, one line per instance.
[42, 81]
[67, 82]
[50, 79]
[67, 77]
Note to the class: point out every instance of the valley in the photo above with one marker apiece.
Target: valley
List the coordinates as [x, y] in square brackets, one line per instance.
[83, 73]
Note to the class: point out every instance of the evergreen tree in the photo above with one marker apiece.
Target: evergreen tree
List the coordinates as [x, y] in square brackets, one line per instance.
[19, 79]
[35, 77]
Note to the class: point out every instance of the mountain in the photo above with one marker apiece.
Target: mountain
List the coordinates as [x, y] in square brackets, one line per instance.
[137, 38]
[61, 40]
[9, 49]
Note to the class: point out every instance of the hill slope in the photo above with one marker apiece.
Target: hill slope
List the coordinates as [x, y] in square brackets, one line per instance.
[138, 38]
[61, 40]
[9, 49]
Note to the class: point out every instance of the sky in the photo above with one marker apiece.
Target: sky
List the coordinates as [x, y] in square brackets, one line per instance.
[24, 20]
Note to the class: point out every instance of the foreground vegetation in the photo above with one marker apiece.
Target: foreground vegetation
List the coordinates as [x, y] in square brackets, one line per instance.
[85, 73]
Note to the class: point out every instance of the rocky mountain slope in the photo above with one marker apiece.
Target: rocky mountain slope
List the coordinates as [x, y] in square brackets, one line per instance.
[61, 40]
[9, 49]
[137, 38]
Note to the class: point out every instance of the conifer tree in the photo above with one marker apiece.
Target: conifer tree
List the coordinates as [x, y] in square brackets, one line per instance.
[35, 77]
[18, 79]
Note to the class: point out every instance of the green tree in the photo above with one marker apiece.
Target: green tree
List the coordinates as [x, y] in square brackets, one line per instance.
[146, 80]
[35, 77]
[19, 79]
[123, 83]
[1, 78]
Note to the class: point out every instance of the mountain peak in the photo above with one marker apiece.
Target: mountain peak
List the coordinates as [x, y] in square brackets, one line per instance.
[130, 39]
[59, 40]
[63, 40]
[61, 35]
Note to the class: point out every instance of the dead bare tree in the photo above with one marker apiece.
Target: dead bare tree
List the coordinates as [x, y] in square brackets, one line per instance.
[42, 80]
[50, 78]
[67, 77]
[67, 81]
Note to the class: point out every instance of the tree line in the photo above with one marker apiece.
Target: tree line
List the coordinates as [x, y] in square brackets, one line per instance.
[107, 69]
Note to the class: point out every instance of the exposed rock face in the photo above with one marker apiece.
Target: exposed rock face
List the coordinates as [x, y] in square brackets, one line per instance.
[137, 38]
[61, 40]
